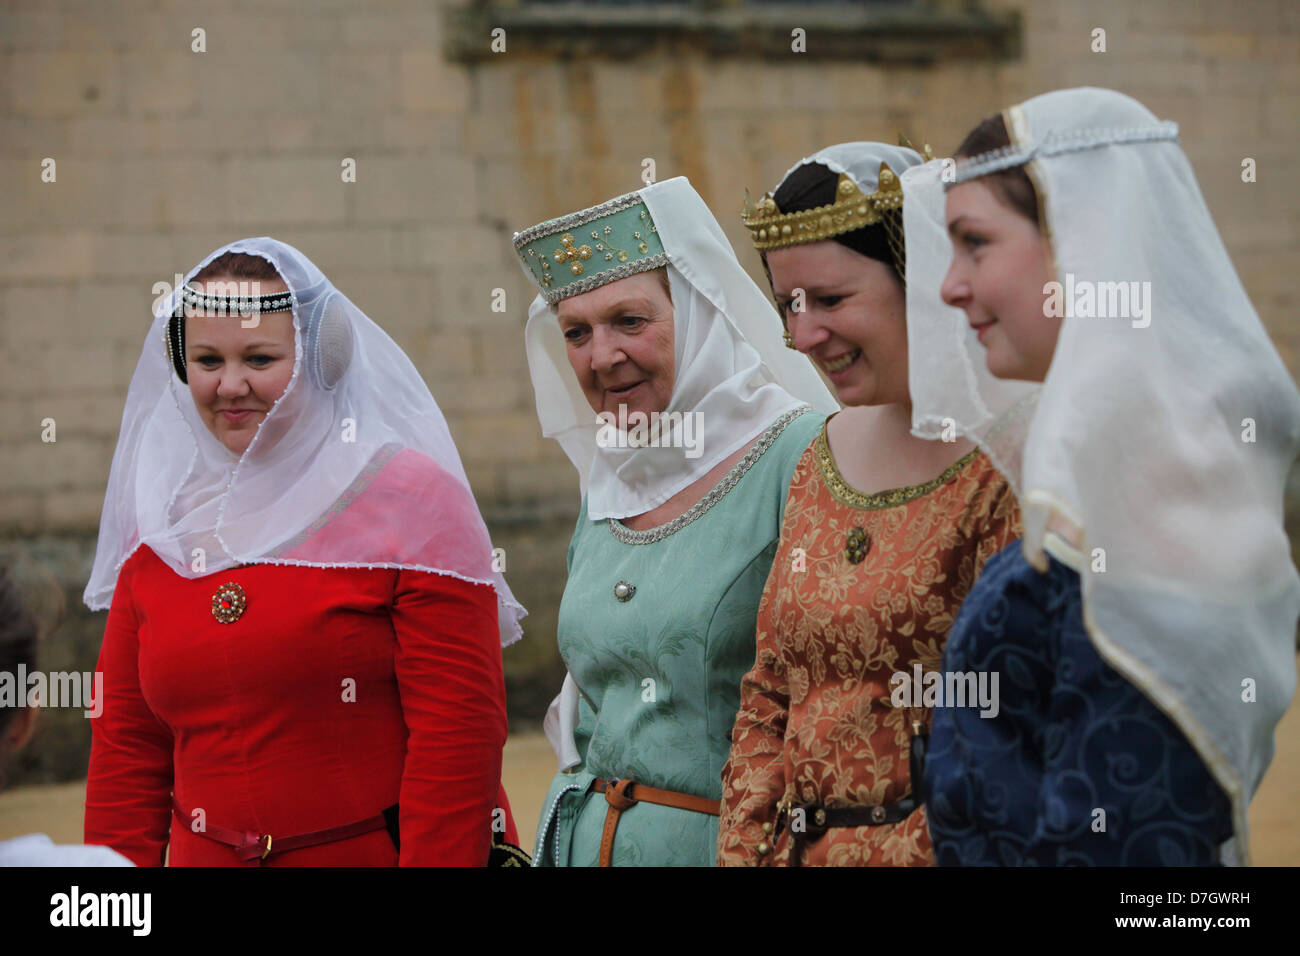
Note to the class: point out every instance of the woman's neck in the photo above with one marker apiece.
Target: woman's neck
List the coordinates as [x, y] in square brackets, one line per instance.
[875, 450]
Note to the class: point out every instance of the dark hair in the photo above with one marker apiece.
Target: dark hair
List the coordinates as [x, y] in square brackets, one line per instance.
[1013, 186]
[238, 265]
[17, 637]
[813, 185]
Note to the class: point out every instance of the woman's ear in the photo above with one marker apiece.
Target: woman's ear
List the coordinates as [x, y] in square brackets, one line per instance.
[20, 729]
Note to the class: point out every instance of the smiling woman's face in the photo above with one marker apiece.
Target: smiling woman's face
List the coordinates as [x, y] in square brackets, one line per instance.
[853, 322]
[619, 340]
[236, 374]
[999, 267]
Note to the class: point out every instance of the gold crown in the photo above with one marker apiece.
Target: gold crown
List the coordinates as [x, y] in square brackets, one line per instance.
[770, 228]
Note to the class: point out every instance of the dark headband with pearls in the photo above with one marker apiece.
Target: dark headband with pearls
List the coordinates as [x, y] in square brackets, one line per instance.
[236, 304]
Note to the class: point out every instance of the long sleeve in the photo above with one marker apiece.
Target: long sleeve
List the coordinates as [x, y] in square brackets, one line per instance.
[128, 787]
[503, 823]
[562, 716]
[1078, 766]
[752, 779]
[452, 690]
[999, 523]
[1121, 785]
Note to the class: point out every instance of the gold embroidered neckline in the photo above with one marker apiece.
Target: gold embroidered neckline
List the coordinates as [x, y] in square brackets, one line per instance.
[846, 494]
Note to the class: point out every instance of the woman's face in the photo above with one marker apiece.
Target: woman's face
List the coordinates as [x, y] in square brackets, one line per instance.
[236, 374]
[853, 321]
[999, 268]
[620, 344]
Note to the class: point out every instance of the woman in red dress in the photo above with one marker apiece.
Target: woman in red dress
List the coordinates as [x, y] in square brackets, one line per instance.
[302, 662]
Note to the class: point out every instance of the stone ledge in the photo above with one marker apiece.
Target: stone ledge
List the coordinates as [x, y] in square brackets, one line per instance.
[899, 34]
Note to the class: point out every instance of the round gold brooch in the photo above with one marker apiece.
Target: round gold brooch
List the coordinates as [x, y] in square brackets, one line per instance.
[857, 545]
[228, 603]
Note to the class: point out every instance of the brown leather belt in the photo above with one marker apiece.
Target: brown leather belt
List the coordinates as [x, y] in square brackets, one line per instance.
[622, 794]
[251, 846]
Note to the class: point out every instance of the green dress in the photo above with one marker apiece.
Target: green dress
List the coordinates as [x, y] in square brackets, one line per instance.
[659, 673]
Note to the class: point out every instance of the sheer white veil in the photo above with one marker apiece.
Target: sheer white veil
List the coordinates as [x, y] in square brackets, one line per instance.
[1162, 442]
[353, 466]
[732, 367]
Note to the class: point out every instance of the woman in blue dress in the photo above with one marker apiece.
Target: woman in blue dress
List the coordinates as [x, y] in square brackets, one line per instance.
[1110, 362]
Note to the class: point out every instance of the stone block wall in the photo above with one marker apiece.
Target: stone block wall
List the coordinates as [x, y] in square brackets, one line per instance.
[163, 153]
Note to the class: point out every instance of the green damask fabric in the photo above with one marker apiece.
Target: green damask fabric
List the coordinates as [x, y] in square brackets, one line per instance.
[660, 674]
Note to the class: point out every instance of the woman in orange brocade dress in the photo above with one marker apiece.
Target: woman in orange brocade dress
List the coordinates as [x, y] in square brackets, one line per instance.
[883, 537]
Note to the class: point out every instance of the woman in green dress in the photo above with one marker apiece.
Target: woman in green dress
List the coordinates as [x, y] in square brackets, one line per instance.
[658, 369]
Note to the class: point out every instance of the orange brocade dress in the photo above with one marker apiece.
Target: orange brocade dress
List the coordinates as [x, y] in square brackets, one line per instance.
[816, 725]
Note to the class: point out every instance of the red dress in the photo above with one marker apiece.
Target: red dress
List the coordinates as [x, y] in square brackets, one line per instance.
[336, 694]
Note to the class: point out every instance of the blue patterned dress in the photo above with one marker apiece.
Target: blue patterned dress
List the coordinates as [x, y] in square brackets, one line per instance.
[1078, 767]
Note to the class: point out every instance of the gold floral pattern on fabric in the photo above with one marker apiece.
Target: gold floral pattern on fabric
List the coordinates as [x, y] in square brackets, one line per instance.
[816, 725]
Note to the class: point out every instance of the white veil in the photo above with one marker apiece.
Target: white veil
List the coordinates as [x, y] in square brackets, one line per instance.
[731, 366]
[1164, 447]
[861, 161]
[286, 500]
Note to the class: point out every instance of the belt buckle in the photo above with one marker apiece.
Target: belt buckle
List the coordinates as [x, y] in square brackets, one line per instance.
[253, 843]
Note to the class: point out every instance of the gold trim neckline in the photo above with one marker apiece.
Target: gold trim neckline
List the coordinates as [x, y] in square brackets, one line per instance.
[846, 494]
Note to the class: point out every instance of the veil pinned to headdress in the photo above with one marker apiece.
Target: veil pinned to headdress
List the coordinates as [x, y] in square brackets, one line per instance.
[731, 368]
[1159, 442]
[353, 466]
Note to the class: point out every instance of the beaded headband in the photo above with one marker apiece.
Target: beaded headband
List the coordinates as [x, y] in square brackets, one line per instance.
[1057, 142]
[195, 299]
[591, 248]
[329, 340]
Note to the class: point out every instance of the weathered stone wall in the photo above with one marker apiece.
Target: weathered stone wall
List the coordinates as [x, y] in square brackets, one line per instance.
[163, 153]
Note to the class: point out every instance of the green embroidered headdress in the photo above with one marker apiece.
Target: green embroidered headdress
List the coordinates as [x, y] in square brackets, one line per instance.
[583, 250]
